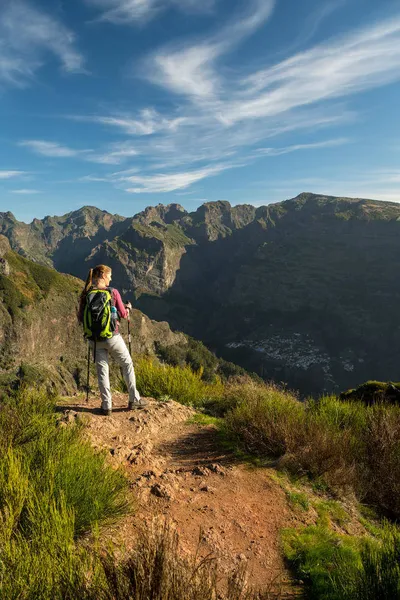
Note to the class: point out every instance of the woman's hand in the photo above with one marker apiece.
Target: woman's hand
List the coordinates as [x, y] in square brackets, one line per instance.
[128, 306]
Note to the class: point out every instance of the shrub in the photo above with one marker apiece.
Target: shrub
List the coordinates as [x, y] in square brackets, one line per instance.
[373, 392]
[347, 445]
[195, 355]
[263, 419]
[180, 383]
[379, 466]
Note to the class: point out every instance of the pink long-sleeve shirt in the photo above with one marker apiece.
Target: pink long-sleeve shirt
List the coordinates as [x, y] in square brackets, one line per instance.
[119, 305]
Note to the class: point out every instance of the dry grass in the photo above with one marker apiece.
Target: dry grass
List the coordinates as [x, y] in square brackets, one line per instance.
[156, 570]
[350, 446]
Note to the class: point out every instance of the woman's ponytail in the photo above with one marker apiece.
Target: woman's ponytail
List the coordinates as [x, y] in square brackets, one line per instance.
[88, 283]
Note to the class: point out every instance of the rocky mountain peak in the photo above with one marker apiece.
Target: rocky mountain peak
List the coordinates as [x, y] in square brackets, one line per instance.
[161, 213]
[218, 219]
[8, 216]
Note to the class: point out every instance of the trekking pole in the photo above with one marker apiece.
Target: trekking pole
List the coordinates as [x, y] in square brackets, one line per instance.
[129, 333]
[88, 372]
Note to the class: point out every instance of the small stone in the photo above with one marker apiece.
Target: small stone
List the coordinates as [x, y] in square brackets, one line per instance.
[216, 468]
[149, 474]
[200, 471]
[207, 488]
[4, 267]
[160, 491]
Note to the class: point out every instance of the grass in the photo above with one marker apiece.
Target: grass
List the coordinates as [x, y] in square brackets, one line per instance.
[298, 499]
[340, 446]
[203, 419]
[53, 489]
[337, 567]
[156, 570]
[181, 383]
[331, 510]
[377, 575]
[314, 553]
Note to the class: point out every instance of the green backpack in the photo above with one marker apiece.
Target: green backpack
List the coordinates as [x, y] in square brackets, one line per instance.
[98, 323]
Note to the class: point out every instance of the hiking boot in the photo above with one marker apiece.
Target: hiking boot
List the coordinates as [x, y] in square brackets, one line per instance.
[107, 412]
[142, 403]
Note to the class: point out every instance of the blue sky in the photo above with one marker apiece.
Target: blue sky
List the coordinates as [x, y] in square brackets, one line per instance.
[123, 104]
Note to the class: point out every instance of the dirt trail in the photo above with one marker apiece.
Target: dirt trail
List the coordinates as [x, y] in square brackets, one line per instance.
[179, 469]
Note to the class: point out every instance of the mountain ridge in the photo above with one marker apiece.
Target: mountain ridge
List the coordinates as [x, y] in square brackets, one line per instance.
[290, 290]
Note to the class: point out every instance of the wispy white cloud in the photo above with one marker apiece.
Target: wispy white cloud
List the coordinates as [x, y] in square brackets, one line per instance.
[26, 36]
[147, 122]
[115, 154]
[90, 178]
[169, 182]
[133, 11]
[51, 149]
[323, 11]
[190, 70]
[11, 174]
[365, 59]
[295, 147]
[25, 191]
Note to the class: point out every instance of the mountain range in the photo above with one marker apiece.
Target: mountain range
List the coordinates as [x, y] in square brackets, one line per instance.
[304, 292]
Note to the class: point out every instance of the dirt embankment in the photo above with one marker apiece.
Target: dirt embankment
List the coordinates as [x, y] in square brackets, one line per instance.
[178, 469]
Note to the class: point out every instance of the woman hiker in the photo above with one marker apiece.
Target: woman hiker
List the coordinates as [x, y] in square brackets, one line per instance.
[109, 340]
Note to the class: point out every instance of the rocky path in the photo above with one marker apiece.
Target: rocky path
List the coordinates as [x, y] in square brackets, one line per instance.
[178, 469]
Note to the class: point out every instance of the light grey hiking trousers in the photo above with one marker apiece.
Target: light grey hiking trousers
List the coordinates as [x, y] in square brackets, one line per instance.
[116, 347]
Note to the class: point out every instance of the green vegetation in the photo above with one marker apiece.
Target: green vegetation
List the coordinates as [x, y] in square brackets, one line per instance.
[338, 446]
[171, 235]
[197, 356]
[374, 392]
[180, 383]
[339, 567]
[31, 282]
[41, 341]
[298, 499]
[53, 489]
[346, 446]
[314, 552]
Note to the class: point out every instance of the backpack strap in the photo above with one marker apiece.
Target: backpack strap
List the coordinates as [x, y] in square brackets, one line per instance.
[111, 290]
